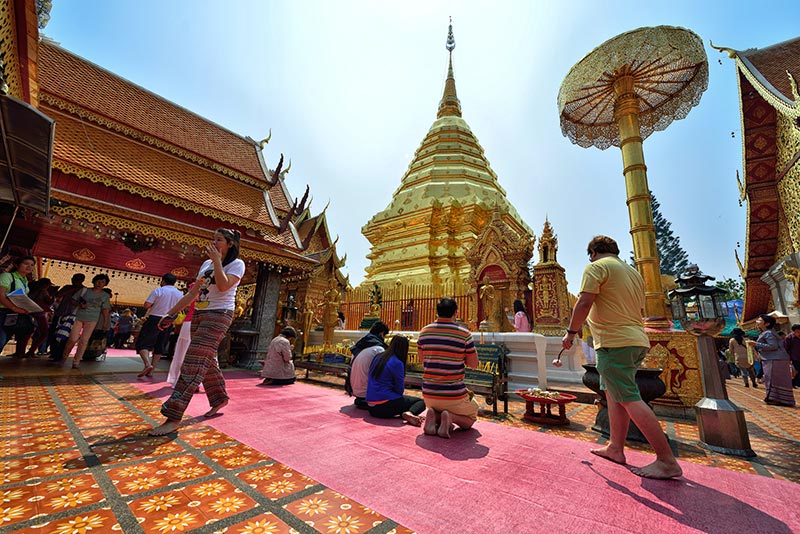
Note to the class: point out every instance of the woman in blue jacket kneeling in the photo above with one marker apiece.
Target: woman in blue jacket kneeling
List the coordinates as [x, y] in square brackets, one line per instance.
[386, 385]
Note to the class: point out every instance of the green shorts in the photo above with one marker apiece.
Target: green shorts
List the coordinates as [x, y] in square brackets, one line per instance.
[617, 367]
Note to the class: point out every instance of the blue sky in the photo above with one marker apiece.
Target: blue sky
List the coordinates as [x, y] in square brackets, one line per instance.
[350, 88]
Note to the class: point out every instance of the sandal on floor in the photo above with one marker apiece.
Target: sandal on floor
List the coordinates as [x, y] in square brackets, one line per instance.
[75, 366]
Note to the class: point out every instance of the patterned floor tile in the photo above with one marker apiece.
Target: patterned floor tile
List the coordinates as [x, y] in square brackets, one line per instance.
[105, 434]
[276, 481]
[102, 520]
[236, 455]
[190, 507]
[125, 451]
[205, 438]
[266, 523]
[36, 443]
[328, 511]
[146, 476]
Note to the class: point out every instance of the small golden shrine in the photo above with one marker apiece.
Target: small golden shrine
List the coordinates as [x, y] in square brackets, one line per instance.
[551, 310]
[499, 272]
[446, 198]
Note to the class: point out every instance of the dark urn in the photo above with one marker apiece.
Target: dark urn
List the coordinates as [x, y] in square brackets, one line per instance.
[650, 385]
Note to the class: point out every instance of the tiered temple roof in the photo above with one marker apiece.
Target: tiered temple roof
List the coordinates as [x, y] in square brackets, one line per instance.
[127, 158]
[770, 107]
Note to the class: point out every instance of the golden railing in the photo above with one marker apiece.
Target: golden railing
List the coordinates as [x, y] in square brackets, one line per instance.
[407, 307]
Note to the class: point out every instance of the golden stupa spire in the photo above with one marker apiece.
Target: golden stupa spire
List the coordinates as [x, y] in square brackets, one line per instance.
[449, 104]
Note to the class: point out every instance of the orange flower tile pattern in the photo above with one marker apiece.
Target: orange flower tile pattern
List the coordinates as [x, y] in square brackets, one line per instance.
[97, 470]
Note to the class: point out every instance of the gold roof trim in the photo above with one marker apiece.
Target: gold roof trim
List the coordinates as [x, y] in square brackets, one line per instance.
[768, 92]
[78, 111]
[94, 217]
[185, 204]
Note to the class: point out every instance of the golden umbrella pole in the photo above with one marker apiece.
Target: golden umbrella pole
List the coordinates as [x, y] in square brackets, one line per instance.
[620, 93]
[643, 231]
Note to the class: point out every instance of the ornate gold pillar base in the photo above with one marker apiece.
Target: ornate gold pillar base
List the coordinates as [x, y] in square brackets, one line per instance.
[676, 353]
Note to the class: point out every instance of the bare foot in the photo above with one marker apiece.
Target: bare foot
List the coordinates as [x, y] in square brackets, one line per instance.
[446, 425]
[412, 419]
[168, 426]
[659, 469]
[613, 456]
[145, 371]
[430, 422]
[215, 409]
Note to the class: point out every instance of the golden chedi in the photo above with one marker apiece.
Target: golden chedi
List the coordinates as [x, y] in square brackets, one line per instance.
[445, 199]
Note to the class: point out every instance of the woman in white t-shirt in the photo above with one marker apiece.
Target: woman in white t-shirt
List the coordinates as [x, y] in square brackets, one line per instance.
[214, 293]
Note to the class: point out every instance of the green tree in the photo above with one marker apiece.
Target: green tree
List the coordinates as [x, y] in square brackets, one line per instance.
[672, 257]
[734, 288]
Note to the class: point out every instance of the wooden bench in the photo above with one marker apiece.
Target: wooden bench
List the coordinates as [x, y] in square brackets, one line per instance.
[489, 380]
[338, 369]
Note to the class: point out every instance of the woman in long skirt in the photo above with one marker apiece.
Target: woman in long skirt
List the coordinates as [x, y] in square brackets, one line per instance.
[214, 296]
[775, 361]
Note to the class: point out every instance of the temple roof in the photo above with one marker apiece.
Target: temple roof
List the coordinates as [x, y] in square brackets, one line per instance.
[773, 62]
[66, 75]
[114, 132]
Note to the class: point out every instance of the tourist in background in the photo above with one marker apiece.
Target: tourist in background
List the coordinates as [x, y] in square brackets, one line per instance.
[214, 293]
[122, 332]
[446, 349]
[386, 385]
[153, 340]
[792, 346]
[181, 346]
[278, 366]
[612, 301]
[362, 354]
[340, 322]
[65, 306]
[15, 321]
[40, 293]
[522, 323]
[94, 309]
[743, 356]
[776, 363]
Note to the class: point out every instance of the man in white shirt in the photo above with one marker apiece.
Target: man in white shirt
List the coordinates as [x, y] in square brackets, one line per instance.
[151, 340]
[364, 351]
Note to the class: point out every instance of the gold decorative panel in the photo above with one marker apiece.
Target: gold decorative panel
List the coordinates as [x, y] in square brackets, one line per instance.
[9, 53]
[84, 255]
[788, 140]
[676, 354]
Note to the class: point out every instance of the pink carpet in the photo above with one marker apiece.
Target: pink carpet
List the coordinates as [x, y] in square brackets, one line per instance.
[491, 479]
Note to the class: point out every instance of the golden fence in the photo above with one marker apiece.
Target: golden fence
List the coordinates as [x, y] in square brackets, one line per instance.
[407, 307]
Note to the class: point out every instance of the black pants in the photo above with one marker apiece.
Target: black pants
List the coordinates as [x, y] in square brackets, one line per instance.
[361, 402]
[281, 381]
[796, 379]
[395, 407]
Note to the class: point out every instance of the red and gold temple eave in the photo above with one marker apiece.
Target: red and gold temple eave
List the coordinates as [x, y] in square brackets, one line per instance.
[93, 195]
[190, 230]
[97, 155]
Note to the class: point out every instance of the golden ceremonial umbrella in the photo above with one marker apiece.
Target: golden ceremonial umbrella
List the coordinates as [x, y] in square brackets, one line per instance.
[621, 92]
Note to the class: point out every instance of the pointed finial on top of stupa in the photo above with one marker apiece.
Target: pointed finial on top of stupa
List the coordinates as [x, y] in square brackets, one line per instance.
[449, 105]
[451, 41]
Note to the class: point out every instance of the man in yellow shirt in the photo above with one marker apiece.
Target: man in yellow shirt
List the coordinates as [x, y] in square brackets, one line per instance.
[612, 302]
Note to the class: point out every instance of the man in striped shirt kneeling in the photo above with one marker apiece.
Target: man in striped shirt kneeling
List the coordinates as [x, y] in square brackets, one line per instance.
[446, 349]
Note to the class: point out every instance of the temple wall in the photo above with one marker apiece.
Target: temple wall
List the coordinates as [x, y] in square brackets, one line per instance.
[788, 141]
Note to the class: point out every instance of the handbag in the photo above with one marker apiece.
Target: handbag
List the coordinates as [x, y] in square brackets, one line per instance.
[21, 323]
[64, 327]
